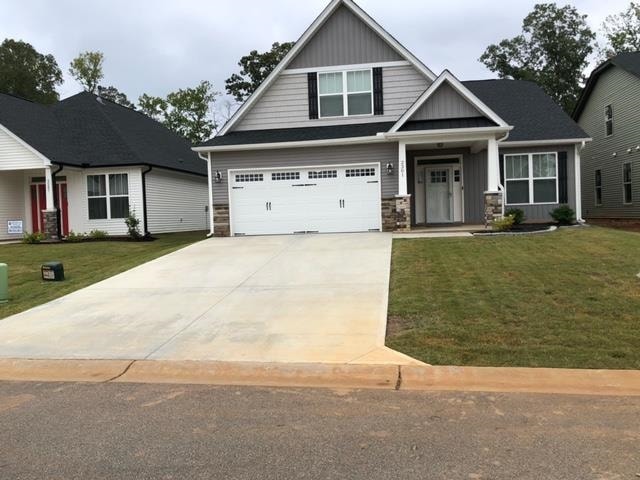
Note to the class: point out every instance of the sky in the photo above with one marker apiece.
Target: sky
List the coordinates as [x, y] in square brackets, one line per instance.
[158, 46]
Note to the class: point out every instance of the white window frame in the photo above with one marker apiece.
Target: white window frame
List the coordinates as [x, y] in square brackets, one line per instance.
[630, 182]
[345, 93]
[608, 119]
[597, 187]
[530, 178]
[108, 195]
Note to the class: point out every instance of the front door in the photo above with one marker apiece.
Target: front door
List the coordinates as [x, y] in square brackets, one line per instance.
[439, 195]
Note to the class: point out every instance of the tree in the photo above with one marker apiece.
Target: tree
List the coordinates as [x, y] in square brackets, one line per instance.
[551, 51]
[28, 74]
[86, 68]
[115, 95]
[187, 112]
[255, 68]
[622, 32]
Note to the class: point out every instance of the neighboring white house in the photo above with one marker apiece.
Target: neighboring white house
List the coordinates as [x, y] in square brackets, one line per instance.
[85, 162]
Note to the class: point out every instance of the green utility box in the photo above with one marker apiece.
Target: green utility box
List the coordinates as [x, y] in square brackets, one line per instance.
[4, 283]
[52, 272]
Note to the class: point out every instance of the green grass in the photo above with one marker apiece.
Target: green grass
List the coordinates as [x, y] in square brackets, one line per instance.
[84, 264]
[565, 299]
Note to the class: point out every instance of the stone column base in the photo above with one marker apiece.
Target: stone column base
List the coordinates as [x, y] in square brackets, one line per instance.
[396, 214]
[221, 226]
[50, 227]
[492, 207]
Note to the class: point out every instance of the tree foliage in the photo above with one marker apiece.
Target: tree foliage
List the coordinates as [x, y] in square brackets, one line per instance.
[622, 32]
[86, 68]
[187, 112]
[552, 51]
[115, 95]
[255, 67]
[28, 74]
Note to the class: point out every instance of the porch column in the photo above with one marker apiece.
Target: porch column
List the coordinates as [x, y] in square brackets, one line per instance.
[50, 214]
[578, 181]
[210, 181]
[493, 166]
[402, 169]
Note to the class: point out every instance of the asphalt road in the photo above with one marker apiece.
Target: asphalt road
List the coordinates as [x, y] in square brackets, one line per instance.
[128, 431]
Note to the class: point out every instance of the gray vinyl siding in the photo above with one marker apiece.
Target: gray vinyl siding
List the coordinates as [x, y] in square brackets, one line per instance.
[540, 213]
[286, 103]
[622, 90]
[176, 202]
[475, 184]
[382, 153]
[344, 40]
[445, 103]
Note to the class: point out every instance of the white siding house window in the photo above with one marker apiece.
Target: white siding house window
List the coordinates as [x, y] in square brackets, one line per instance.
[108, 199]
[346, 93]
[627, 191]
[531, 178]
[608, 120]
[598, 189]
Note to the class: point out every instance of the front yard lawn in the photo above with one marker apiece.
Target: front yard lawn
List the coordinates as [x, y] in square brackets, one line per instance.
[565, 299]
[84, 264]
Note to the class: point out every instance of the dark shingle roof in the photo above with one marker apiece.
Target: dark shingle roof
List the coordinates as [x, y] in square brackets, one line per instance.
[629, 61]
[83, 130]
[446, 123]
[277, 135]
[525, 106]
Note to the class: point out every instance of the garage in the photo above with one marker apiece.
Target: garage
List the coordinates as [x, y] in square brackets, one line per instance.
[327, 199]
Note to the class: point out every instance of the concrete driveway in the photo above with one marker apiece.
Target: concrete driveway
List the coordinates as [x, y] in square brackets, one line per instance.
[311, 298]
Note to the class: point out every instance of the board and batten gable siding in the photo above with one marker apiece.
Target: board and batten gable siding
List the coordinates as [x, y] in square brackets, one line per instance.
[286, 103]
[344, 39]
[176, 202]
[621, 90]
[540, 213]
[79, 205]
[445, 103]
[382, 153]
[15, 156]
[12, 202]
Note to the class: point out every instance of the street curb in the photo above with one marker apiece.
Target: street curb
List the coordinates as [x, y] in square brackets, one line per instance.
[361, 376]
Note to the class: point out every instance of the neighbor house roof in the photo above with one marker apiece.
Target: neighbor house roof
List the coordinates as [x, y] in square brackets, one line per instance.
[87, 131]
[629, 61]
[521, 104]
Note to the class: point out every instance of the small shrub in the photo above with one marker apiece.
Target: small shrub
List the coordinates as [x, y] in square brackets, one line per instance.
[98, 235]
[517, 214]
[76, 237]
[133, 225]
[564, 215]
[503, 224]
[31, 238]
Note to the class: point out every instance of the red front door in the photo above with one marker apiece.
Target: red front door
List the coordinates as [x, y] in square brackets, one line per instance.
[39, 203]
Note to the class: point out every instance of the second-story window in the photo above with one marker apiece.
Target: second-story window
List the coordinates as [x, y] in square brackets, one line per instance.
[345, 93]
[608, 120]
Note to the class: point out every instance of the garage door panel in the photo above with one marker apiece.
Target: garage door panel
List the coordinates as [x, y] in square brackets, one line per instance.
[328, 199]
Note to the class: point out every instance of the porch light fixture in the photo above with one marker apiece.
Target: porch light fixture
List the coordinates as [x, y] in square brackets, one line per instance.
[218, 176]
[389, 168]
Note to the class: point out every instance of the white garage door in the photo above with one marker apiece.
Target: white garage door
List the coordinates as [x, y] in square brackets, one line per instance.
[342, 198]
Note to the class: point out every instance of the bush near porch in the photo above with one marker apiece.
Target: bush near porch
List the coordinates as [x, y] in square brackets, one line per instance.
[565, 299]
[84, 264]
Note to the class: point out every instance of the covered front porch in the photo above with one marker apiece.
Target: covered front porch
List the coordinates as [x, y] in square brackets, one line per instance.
[449, 180]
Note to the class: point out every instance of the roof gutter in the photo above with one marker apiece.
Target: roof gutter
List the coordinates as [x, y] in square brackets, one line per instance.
[534, 143]
[444, 133]
[276, 145]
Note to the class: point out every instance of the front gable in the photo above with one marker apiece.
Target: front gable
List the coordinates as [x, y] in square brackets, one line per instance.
[446, 103]
[15, 154]
[343, 38]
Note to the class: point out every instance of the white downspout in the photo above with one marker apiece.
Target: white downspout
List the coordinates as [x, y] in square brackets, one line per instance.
[210, 190]
[500, 185]
[577, 171]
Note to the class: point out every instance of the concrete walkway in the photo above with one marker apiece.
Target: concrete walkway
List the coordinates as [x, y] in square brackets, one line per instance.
[305, 299]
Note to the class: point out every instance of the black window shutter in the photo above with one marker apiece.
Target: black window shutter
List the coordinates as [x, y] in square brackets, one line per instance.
[563, 187]
[312, 80]
[378, 98]
[502, 170]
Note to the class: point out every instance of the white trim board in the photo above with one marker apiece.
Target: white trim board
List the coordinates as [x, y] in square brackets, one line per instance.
[304, 40]
[337, 68]
[447, 76]
[541, 143]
